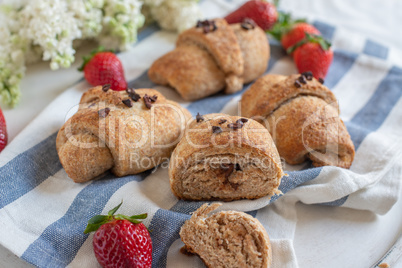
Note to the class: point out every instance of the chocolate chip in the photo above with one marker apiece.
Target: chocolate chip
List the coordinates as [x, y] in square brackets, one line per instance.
[207, 25]
[222, 121]
[199, 118]
[235, 126]
[130, 91]
[297, 84]
[242, 120]
[92, 104]
[227, 169]
[308, 75]
[106, 87]
[132, 94]
[216, 129]
[148, 100]
[237, 167]
[321, 80]
[248, 24]
[153, 98]
[128, 102]
[302, 79]
[135, 97]
[104, 112]
[199, 24]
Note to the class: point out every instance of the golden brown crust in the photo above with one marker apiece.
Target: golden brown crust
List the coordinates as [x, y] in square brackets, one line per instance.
[271, 91]
[255, 50]
[303, 121]
[205, 63]
[222, 44]
[129, 139]
[227, 239]
[190, 70]
[203, 164]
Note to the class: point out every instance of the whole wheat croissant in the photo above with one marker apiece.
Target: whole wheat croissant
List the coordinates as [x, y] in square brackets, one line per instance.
[211, 57]
[224, 157]
[128, 133]
[226, 239]
[303, 118]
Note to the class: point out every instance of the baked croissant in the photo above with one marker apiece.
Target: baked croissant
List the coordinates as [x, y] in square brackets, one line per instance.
[224, 157]
[125, 131]
[212, 56]
[302, 116]
[226, 239]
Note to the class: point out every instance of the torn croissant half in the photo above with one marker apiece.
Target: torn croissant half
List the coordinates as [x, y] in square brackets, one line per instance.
[226, 158]
[212, 56]
[302, 116]
[125, 131]
[226, 239]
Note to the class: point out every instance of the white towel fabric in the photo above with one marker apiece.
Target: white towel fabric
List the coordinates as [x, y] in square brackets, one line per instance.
[44, 213]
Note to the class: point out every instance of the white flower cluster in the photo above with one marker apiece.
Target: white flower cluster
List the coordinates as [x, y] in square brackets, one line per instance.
[174, 15]
[31, 30]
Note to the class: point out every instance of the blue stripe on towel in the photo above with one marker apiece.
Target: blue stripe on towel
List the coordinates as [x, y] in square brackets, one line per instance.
[146, 32]
[277, 53]
[28, 170]
[296, 178]
[141, 81]
[326, 30]
[376, 110]
[341, 64]
[374, 113]
[375, 49]
[165, 227]
[61, 240]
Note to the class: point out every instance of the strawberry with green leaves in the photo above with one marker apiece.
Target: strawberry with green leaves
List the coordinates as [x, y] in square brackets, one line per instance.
[120, 241]
[314, 54]
[3, 131]
[263, 13]
[104, 67]
[297, 33]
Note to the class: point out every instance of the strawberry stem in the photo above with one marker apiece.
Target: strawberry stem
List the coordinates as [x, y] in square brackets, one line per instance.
[87, 58]
[97, 221]
[283, 25]
[310, 38]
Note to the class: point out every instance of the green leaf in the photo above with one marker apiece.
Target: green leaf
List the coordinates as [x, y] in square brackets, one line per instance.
[98, 219]
[141, 216]
[282, 26]
[310, 38]
[291, 49]
[95, 222]
[124, 217]
[92, 228]
[87, 58]
[113, 211]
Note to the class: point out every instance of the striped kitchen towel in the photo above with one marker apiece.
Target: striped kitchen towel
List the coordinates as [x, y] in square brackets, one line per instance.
[44, 213]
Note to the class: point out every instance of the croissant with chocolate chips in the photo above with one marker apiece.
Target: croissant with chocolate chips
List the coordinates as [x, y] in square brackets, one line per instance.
[224, 157]
[213, 56]
[302, 116]
[125, 131]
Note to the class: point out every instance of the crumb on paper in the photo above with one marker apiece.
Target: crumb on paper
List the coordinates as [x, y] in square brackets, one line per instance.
[384, 265]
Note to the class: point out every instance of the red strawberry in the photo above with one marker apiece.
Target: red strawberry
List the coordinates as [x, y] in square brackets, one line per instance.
[104, 67]
[312, 54]
[3, 131]
[120, 241]
[263, 13]
[297, 33]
